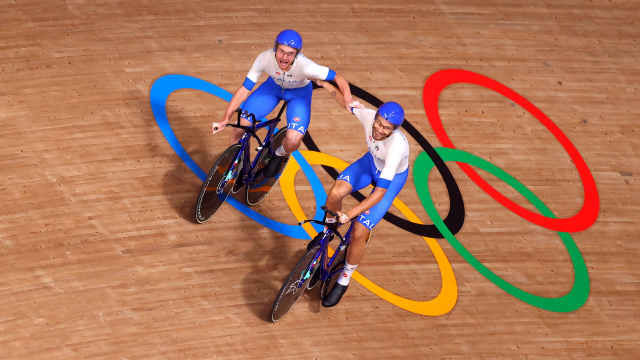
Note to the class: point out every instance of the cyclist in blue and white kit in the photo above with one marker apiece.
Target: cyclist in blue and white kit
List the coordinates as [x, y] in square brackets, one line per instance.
[386, 164]
[289, 73]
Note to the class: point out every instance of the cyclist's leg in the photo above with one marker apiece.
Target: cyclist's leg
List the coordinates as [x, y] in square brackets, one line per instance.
[260, 103]
[370, 218]
[355, 177]
[357, 248]
[298, 116]
[365, 223]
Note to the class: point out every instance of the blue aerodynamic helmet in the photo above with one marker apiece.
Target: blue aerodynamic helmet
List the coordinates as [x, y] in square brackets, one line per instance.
[392, 112]
[289, 38]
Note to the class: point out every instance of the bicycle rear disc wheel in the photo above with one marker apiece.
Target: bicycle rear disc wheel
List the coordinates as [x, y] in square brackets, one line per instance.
[261, 187]
[295, 285]
[218, 184]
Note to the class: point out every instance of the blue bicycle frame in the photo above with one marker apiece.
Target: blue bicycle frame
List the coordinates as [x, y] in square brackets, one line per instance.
[324, 266]
[248, 176]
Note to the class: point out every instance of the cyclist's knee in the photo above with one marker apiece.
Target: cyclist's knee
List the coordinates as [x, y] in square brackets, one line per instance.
[334, 195]
[339, 190]
[292, 141]
[360, 234]
[294, 136]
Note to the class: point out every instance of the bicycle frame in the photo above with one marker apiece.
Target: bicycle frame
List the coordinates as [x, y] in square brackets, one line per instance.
[247, 175]
[324, 267]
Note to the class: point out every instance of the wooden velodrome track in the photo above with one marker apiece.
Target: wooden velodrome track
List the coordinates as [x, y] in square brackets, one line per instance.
[101, 258]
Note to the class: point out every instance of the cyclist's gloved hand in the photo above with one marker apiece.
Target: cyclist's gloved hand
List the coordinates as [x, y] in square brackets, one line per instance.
[342, 217]
[217, 127]
[355, 104]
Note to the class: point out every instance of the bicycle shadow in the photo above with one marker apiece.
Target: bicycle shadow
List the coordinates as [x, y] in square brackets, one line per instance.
[179, 185]
[271, 266]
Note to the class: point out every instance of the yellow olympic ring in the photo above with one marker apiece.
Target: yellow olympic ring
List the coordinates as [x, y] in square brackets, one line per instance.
[442, 304]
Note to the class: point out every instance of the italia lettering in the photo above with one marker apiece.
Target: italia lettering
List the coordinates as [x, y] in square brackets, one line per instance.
[296, 127]
[368, 225]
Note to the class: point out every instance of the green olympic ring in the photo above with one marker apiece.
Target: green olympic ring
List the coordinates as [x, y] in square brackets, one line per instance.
[569, 302]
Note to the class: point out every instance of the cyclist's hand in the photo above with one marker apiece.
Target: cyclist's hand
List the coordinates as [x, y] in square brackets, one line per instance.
[217, 127]
[351, 103]
[355, 104]
[342, 217]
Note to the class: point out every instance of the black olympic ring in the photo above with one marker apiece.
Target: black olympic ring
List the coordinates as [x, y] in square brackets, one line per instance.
[454, 219]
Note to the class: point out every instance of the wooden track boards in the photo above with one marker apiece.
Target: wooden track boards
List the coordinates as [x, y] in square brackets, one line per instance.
[100, 257]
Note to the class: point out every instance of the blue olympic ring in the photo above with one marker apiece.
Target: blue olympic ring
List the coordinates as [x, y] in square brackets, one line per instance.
[160, 91]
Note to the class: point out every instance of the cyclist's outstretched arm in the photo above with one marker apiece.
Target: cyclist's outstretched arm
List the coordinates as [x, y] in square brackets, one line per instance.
[337, 95]
[240, 95]
[343, 85]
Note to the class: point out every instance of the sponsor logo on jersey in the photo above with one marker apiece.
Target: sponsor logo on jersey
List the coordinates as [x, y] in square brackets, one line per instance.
[367, 212]
[278, 73]
[370, 138]
[377, 148]
[296, 119]
[289, 75]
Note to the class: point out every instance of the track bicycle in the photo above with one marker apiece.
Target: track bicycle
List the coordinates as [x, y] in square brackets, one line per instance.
[233, 170]
[315, 266]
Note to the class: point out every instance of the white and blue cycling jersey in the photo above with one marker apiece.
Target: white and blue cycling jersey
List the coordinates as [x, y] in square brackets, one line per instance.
[293, 86]
[298, 76]
[386, 164]
[391, 155]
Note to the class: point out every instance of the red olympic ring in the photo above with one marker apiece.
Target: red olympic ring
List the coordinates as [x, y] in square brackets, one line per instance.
[591, 206]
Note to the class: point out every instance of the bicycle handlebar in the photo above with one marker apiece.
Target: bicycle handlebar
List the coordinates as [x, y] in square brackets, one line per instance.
[249, 116]
[326, 210]
[251, 130]
[252, 117]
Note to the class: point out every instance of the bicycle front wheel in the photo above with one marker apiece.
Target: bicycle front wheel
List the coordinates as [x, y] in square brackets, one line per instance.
[218, 184]
[295, 283]
[261, 187]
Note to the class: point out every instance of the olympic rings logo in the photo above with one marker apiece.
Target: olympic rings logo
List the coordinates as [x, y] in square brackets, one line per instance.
[442, 228]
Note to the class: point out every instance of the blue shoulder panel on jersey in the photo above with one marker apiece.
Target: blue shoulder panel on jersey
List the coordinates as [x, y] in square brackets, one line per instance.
[248, 84]
[331, 75]
[352, 111]
[383, 183]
